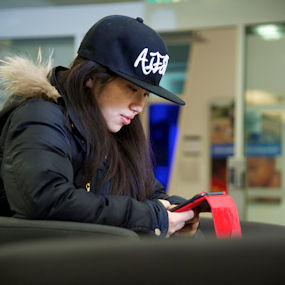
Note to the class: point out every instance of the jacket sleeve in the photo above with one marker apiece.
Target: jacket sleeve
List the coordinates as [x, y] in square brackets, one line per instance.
[159, 193]
[38, 176]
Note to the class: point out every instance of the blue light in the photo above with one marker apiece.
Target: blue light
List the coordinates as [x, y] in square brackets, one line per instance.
[163, 130]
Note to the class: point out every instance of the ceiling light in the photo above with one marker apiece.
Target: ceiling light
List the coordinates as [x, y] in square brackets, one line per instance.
[269, 32]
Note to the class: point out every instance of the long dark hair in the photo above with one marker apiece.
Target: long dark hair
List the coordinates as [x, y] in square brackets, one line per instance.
[128, 162]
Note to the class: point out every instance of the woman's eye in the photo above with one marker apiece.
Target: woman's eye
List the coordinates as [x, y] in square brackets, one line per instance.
[132, 89]
[136, 90]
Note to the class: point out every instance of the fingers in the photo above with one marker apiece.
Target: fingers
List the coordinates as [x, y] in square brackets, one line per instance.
[176, 221]
[190, 227]
[188, 230]
[195, 219]
[185, 216]
[172, 206]
[182, 223]
[165, 203]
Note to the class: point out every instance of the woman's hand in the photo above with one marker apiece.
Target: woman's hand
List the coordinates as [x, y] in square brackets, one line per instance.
[178, 221]
[190, 227]
[182, 223]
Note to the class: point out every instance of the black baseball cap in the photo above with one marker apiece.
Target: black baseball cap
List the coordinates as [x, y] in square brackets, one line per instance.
[131, 50]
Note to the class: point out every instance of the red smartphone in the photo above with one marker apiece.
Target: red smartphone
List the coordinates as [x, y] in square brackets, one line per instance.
[197, 202]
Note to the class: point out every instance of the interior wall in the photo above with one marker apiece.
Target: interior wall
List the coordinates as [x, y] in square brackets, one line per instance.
[203, 14]
[59, 21]
[211, 77]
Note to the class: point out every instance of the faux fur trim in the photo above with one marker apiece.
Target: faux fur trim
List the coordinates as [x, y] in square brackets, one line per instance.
[21, 76]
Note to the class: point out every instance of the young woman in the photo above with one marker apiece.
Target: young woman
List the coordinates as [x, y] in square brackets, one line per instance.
[72, 144]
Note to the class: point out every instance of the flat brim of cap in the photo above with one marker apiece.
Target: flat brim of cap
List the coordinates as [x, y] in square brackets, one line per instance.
[157, 90]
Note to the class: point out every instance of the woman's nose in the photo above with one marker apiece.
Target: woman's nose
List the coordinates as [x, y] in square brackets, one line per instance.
[138, 104]
[136, 108]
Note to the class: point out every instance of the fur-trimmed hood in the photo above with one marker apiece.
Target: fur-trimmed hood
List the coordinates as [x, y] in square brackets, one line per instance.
[21, 76]
[22, 79]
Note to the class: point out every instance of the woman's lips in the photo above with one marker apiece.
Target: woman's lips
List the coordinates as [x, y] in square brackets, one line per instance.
[126, 120]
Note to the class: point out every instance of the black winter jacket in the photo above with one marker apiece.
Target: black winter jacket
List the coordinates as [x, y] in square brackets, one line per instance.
[41, 154]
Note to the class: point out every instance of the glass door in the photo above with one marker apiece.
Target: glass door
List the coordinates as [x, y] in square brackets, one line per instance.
[264, 123]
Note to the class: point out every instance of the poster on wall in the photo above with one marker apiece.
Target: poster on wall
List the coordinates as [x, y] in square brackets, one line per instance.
[263, 136]
[263, 150]
[221, 141]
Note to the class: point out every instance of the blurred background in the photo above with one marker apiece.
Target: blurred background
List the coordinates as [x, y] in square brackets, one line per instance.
[227, 61]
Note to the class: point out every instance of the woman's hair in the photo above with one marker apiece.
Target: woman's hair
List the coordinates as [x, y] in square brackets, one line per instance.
[126, 155]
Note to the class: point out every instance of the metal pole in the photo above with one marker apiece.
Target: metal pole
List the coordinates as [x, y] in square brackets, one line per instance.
[236, 164]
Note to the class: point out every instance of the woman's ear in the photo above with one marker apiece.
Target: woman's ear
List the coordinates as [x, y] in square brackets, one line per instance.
[89, 83]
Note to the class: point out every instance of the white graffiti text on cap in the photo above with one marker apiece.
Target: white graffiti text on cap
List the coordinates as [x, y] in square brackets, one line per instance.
[157, 63]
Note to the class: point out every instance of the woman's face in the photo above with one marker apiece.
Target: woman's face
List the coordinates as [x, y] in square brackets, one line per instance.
[120, 101]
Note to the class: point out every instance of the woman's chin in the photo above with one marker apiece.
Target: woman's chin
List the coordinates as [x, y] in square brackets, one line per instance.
[115, 129]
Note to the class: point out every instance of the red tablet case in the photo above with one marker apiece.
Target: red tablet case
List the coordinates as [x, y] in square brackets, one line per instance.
[224, 212]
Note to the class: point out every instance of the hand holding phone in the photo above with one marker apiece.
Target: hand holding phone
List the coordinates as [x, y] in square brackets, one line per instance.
[198, 203]
[223, 209]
